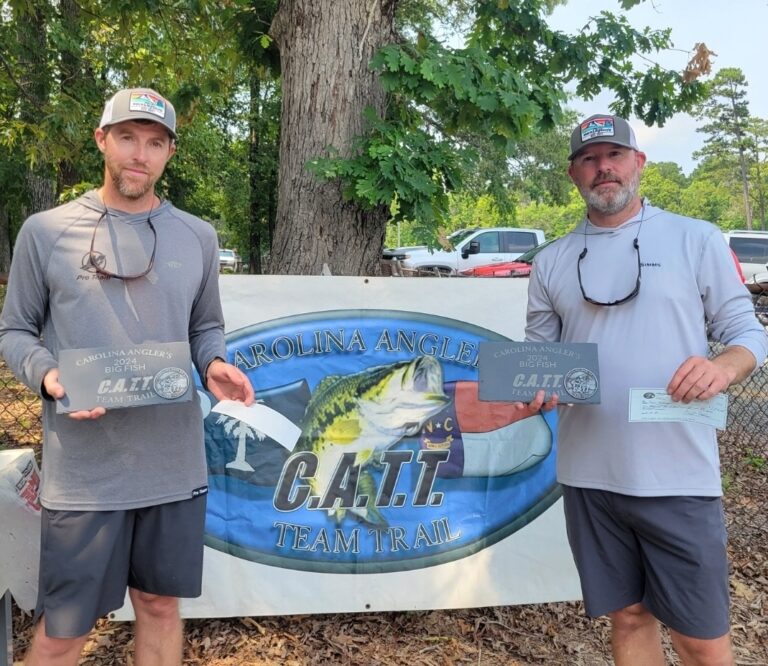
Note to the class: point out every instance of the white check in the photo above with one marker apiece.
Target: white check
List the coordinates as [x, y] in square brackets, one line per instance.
[655, 404]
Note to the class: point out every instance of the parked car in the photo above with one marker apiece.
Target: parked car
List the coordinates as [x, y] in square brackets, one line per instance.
[229, 261]
[472, 247]
[751, 247]
[521, 267]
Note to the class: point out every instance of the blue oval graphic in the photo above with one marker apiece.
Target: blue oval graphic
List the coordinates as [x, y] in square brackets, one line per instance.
[398, 465]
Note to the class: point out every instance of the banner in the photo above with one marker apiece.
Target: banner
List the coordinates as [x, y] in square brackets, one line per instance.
[371, 477]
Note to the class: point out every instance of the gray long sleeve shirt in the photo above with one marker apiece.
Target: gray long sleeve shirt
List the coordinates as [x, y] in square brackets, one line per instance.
[689, 286]
[130, 457]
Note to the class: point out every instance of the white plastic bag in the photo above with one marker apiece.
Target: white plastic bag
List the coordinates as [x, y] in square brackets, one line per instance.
[19, 526]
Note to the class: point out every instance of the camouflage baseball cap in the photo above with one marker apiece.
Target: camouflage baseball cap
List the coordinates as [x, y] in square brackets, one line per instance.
[602, 128]
[139, 104]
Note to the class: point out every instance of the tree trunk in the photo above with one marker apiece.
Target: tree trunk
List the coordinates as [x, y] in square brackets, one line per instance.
[34, 80]
[262, 169]
[742, 163]
[745, 187]
[760, 192]
[5, 240]
[42, 192]
[71, 75]
[325, 47]
[256, 201]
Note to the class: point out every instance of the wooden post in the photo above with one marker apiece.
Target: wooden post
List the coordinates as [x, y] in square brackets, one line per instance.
[6, 631]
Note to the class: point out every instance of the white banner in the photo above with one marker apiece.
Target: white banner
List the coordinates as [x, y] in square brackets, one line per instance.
[371, 478]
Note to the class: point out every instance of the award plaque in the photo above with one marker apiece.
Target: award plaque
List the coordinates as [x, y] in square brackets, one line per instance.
[516, 371]
[113, 377]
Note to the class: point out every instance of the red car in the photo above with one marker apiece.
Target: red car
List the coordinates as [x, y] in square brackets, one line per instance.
[520, 267]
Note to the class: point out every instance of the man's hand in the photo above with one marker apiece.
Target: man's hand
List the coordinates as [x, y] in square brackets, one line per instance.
[700, 378]
[536, 405]
[54, 389]
[227, 382]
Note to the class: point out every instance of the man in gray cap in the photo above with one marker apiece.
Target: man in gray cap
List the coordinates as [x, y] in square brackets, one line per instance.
[642, 499]
[115, 273]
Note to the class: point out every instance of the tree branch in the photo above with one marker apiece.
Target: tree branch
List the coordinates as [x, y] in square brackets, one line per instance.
[8, 69]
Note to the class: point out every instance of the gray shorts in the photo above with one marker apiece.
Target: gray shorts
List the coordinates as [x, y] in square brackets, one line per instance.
[88, 558]
[668, 553]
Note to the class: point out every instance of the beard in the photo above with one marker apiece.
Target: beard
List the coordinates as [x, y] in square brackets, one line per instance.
[611, 202]
[129, 187]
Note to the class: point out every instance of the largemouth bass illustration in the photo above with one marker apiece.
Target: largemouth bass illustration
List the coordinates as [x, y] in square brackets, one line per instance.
[366, 413]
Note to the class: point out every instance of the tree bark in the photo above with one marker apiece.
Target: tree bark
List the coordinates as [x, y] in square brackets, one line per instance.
[35, 88]
[71, 77]
[742, 161]
[256, 194]
[5, 240]
[262, 170]
[325, 47]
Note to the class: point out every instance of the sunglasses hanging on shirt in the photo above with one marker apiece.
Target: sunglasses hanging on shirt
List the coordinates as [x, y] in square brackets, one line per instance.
[630, 295]
[93, 256]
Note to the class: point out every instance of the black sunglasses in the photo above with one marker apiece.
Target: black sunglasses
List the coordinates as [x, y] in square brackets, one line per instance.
[93, 258]
[628, 297]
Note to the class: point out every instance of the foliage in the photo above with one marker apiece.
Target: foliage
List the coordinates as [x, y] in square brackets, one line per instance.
[506, 83]
[662, 184]
[199, 53]
[555, 220]
[538, 164]
[725, 111]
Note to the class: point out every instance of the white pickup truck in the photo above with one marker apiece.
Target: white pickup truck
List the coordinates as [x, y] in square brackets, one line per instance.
[472, 248]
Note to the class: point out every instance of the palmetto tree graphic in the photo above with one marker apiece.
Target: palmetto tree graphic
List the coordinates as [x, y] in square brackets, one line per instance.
[236, 428]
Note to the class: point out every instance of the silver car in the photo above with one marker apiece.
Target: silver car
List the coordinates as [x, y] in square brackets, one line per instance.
[229, 261]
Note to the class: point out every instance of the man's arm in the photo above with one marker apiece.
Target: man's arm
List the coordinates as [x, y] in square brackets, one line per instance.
[731, 317]
[729, 310]
[543, 324]
[206, 335]
[24, 311]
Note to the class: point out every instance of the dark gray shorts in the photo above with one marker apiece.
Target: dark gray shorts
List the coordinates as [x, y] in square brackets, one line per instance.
[668, 553]
[88, 558]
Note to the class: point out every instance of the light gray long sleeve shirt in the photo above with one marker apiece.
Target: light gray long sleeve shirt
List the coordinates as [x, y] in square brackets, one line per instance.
[132, 457]
[689, 286]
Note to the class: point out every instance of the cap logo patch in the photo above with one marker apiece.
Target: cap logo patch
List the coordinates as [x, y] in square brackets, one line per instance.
[597, 127]
[147, 103]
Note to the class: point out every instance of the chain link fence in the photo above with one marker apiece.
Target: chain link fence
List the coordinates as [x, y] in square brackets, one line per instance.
[743, 445]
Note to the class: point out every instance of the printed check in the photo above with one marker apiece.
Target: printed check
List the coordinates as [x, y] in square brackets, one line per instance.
[655, 404]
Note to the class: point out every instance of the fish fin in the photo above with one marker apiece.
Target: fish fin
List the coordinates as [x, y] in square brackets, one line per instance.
[362, 457]
[344, 431]
[326, 383]
[338, 513]
[370, 512]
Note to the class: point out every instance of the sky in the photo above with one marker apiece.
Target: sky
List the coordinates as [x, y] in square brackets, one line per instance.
[735, 31]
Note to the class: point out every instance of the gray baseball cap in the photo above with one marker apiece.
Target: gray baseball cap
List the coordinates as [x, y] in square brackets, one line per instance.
[139, 104]
[602, 128]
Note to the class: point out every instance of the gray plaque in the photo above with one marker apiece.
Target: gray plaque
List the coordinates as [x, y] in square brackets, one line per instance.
[515, 371]
[115, 377]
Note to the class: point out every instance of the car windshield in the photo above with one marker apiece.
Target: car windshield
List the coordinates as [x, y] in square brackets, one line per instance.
[458, 236]
[750, 250]
[527, 257]
[226, 254]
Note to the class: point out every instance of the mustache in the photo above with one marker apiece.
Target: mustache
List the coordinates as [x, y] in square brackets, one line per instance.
[606, 179]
